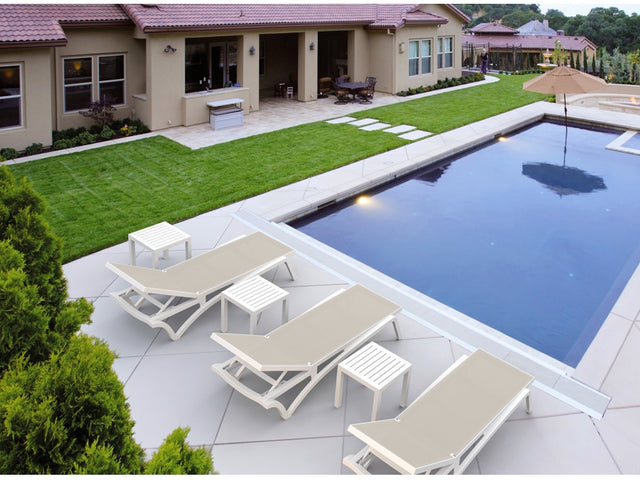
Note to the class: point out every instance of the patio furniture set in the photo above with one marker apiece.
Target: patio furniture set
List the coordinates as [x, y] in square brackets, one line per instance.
[349, 92]
[440, 432]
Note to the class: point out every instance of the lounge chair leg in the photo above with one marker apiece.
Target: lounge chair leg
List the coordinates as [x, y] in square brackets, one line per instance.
[528, 404]
[290, 271]
[396, 328]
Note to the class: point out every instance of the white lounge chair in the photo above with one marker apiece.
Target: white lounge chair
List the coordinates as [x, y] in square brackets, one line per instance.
[445, 428]
[157, 295]
[304, 349]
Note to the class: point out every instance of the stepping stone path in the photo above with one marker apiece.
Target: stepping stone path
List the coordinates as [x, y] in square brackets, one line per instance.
[407, 132]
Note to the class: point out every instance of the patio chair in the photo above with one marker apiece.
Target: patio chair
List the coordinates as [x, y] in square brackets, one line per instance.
[305, 349]
[366, 94]
[445, 428]
[156, 296]
[324, 87]
[341, 93]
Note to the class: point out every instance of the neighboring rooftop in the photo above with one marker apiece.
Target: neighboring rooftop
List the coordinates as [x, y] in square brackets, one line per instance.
[536, 27]
[493, 28]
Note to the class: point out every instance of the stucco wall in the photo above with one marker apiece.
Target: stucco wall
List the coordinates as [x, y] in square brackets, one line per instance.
[36, 98]
[93, 42]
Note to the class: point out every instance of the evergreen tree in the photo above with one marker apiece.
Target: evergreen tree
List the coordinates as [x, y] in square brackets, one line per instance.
[62, 407]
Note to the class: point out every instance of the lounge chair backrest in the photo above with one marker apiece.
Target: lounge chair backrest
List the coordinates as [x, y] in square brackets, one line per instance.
[450, 414]
[317, 333]
[206, 271]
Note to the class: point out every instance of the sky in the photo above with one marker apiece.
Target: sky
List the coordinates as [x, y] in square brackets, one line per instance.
[571, 9]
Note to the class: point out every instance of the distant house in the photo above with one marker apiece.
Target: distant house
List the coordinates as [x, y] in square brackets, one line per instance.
[162, 63]
[523, 48]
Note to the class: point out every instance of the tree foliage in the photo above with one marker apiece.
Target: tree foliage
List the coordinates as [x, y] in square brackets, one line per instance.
[62, 407]
[65, 413]
[176, 457]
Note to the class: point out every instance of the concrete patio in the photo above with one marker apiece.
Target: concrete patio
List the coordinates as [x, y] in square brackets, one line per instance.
[584, 421]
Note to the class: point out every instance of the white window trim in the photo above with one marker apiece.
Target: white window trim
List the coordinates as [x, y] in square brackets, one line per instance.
[123, 79]
[20, 96]
[421, 56]
[442, 54]
[95, 79]
[64, 83]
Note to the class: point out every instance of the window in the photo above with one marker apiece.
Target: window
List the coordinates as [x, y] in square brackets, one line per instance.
[419, 57]
[210, 63]
[414, 54]
[111, 79]
[78, 83]
[10, 96]
[445, 52]
[425, 56]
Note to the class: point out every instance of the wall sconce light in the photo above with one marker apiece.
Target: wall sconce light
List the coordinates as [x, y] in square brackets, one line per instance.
[312, 46]
[252, 50]
[169, 48]
[401, 46]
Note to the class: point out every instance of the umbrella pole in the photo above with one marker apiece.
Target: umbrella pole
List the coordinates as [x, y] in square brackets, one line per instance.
[566, 129]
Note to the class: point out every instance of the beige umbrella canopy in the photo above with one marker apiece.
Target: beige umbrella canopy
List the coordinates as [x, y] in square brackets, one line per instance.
[564, 80]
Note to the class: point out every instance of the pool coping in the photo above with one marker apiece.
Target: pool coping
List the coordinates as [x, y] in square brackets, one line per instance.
[577, 387]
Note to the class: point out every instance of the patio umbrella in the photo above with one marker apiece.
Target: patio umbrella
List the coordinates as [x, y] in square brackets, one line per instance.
[564, 80]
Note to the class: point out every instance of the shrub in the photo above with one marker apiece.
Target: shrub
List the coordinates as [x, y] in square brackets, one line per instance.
[100, 112]
[52, 411]
[22, 223]
[33, 149]
[64, 143]
[175, 457]
[139, 126]
[86, 138]
[107, 133]
[9, 153]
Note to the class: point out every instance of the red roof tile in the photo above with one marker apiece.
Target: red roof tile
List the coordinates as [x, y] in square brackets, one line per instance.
[529, 42]
[493, 28]
[175, 17]
[22, 24]
[42, 24]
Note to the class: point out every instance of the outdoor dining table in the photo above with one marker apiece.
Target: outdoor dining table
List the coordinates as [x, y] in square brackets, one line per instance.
[354, 87]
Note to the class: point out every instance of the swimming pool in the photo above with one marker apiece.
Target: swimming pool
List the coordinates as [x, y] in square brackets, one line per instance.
[507, 234]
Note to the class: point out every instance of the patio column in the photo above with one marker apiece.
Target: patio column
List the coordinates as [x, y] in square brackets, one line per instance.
[249, 67]
[307, 66]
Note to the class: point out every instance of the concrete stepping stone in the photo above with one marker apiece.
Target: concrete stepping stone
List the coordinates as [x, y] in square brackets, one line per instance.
[375, 126]
[363, 121]
[415, 135]
[400, 129]
[341, 120]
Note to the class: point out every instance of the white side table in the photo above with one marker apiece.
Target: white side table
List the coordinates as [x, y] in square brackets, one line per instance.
[253, 296]
[374, 367]
[159, 237]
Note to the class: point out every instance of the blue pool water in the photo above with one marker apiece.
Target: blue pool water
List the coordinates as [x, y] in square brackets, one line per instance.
[508, 235]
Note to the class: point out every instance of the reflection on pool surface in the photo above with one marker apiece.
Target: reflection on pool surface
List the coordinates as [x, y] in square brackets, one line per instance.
[539, 256]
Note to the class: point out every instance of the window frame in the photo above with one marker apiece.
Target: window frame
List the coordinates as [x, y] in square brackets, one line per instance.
[95, 83]
[66, 85]
[414, 60]
[19, 96]
[122, 80]
[418, 61]
[445, 56]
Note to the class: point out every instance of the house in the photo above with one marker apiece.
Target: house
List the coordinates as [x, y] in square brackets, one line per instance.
[523, 48]
[162, 63]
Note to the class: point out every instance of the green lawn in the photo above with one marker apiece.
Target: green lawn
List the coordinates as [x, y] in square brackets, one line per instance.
[98, 196]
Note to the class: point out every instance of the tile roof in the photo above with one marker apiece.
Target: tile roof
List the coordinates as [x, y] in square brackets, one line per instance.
[176, 17]
[42, 24]
[22, 24]
[493, 28]
[529, 42]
